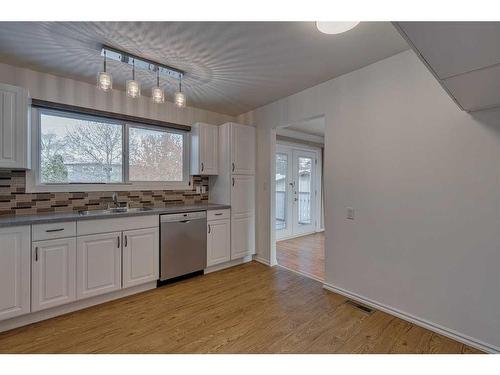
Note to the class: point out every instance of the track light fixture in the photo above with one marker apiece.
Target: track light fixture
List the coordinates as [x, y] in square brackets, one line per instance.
[133, 87]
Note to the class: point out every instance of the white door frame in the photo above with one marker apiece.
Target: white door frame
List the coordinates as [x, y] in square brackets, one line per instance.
[293, 150]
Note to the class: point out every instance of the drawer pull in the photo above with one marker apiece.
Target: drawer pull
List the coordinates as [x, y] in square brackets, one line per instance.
[220, 213]
[54, 230]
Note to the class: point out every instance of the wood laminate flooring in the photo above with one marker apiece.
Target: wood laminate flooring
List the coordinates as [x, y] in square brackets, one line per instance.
[245, 309]
[304, 254]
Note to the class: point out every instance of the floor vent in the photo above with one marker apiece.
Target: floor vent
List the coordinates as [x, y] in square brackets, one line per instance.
[359, 306]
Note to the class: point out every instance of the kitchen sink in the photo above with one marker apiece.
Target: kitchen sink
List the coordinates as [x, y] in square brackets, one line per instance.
[114, 211]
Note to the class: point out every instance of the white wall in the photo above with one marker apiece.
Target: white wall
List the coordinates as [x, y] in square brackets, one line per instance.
[68, 91]
[424, 179]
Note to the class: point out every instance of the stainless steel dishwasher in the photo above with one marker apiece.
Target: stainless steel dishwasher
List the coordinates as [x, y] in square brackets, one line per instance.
[183, 244]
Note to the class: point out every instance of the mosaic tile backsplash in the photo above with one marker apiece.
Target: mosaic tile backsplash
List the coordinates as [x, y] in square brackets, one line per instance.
[15, 201]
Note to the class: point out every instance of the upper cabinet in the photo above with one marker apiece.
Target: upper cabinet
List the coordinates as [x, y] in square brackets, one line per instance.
[242, 149]
[204, 149]
[14, 127]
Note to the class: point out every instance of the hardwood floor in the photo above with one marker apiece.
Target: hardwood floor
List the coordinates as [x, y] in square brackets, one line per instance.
[246, 309]
[304, 254]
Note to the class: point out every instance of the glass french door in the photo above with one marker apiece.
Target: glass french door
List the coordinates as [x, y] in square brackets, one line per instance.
[295, 191]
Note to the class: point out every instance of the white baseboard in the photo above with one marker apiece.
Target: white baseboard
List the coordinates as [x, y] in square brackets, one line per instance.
[73, 306]
[262, 260]
[452, 334]
[231, 263]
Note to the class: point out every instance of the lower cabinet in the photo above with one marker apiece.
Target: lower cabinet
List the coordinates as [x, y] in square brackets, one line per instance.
[140, 256]
[218, 242]
[242, 237]
[99, 259]
[14, 271]
[53, 273]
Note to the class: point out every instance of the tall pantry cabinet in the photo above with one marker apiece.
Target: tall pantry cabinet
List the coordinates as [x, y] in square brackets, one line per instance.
[235, 185]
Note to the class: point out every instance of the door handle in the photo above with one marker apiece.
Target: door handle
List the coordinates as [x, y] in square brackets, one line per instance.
[209, 228]
[118, 238]
[126, 240]
[202, 167]
[36, 254]
[233, 167]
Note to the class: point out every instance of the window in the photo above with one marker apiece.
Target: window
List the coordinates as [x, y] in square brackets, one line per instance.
[78, 149]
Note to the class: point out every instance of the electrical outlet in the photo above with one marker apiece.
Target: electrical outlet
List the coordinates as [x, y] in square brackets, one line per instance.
[350, 213]
[198, 189]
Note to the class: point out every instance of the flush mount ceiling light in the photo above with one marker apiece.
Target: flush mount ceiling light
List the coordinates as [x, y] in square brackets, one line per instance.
[104, 79]
[133, 87]
[180, 98]
[335, 27]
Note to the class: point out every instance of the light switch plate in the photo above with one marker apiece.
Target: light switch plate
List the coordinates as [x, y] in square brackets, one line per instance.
[350, 213]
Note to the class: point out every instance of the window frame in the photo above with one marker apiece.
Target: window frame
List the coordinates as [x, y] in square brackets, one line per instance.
[33, 180]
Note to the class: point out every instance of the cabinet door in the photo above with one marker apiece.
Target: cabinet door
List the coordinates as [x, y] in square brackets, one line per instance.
[14, 271]
[242, 149]
[242, 195]
[53, 267]
[140, 256]
[242, 237]
[98, 264]
[218, 242]
[14, 127]
[209, 139]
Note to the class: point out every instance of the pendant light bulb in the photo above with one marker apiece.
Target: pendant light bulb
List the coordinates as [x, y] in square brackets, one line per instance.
[180, 98]
[104, 79]
[157, 94]
[133, 86]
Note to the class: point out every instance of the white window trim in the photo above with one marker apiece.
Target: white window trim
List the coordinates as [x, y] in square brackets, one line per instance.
[33, 184]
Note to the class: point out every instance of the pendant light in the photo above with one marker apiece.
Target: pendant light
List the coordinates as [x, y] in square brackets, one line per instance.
[133, 86]
[180, 98]
[104, 79]
[157, 94]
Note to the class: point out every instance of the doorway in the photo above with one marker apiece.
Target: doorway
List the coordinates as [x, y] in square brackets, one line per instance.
[298, 199]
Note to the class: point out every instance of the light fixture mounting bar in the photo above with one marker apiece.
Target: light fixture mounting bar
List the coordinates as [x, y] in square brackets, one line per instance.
[142, 63]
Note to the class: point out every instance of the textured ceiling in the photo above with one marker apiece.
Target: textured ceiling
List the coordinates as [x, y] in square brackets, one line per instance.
[232, 67]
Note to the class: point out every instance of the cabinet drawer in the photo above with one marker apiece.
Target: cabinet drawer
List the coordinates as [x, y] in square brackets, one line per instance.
[117, 224]
[53, 230]
[218, 214]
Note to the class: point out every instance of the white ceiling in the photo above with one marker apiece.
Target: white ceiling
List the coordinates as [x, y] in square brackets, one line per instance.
[232, 67]
[315, 126]
[464, 57]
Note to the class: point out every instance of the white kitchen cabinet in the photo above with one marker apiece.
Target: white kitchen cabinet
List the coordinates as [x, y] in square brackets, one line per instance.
[53, 278]
[14, 127]
[140, 256]
[204, 149]
[14, 271]
[242, 237]
[218, 241]
[242, 196]
[99, 258]
[242, 149]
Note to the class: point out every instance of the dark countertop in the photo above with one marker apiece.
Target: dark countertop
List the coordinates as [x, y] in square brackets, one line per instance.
[11, 220]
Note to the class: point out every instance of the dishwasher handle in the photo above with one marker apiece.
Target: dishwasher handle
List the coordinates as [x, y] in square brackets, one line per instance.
[184, 221]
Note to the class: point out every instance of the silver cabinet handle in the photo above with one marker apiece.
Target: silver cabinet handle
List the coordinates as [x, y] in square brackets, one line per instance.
[220, 213]
[233, 181]
[209, 228]
[233, 167]
[54, 230]
[126, 241]
[118, 238]
[36, 254]
[202, 166]
[185, 221]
